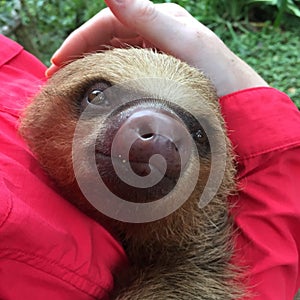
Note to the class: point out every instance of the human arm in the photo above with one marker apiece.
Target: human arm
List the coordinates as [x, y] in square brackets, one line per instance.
[167, 27]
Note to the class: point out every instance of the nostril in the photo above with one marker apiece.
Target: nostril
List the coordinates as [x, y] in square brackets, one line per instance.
[147, 136]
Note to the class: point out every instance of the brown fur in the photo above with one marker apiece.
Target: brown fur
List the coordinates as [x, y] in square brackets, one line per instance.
[183, 256]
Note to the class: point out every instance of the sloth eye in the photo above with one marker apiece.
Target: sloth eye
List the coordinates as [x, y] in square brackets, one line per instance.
[96, 97]
[200, 135]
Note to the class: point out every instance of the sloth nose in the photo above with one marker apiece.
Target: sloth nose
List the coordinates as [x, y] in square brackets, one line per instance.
[155, 131]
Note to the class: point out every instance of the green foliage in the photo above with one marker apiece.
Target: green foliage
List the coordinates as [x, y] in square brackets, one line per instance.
[274, 54]
[45, 24]
[209, 11]
[9, 17]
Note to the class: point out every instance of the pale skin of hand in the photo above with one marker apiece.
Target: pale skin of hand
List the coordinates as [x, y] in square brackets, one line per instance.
[167, 27]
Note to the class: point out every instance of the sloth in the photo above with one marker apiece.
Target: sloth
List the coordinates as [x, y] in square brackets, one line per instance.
[131, 128]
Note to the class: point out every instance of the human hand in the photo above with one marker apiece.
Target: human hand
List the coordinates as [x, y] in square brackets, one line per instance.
[167, 27]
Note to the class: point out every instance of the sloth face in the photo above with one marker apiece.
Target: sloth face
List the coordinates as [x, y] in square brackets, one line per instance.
[136, 116]
[130, 133]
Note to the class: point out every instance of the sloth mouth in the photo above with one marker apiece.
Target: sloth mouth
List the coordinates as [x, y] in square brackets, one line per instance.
[140, 168]
[130, 192]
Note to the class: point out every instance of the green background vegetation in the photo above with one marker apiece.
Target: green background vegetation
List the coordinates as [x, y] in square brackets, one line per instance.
[265, 33]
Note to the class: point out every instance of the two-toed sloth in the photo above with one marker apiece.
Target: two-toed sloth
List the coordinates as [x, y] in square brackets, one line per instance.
[113, 112]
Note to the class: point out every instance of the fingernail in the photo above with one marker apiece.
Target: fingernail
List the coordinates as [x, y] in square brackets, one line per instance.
[50, 71]
[54, 57]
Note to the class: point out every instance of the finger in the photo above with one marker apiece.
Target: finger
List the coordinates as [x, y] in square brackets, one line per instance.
[175, 31]
[51, 70]
[100, 31]
[135, 42]
[167, 26]
[95, 34]
[125, 43]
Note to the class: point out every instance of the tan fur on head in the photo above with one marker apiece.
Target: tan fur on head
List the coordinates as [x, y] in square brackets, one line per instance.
[183, 256]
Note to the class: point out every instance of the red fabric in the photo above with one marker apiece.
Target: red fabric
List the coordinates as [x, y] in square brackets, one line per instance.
[264, 127]
[48, 249]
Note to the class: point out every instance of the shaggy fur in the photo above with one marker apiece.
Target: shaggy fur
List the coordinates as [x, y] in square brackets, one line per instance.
[183, 256]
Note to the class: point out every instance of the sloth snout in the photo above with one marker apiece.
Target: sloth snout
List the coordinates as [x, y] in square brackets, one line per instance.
[153, 131]
[150, 142]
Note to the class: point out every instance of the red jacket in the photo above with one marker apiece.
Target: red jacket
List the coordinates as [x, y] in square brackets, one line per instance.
[264, 128]
[50, 250]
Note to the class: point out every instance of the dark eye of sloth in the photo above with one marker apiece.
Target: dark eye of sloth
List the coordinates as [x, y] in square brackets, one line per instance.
[95, 95]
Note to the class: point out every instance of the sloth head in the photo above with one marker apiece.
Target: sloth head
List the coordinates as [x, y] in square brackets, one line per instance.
[134, 125]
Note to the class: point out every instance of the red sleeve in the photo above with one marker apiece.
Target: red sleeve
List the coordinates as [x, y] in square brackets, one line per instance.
[48, 249]
[264, 128]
